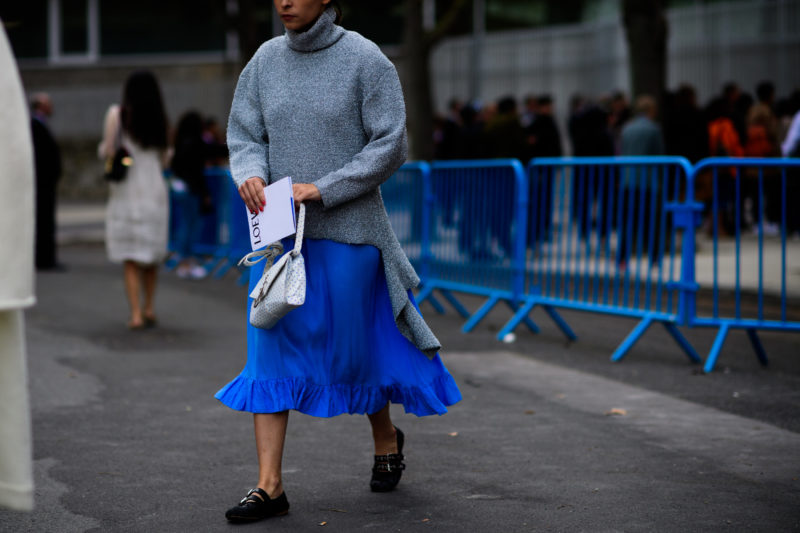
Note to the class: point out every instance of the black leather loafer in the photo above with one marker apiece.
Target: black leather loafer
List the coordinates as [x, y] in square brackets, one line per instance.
[256, 506]
[388, 469]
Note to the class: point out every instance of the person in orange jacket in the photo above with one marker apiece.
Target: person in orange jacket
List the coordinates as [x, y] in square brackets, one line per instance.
[723, 142]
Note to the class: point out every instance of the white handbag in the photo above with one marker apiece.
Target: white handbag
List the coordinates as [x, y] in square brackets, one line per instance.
[282, 287]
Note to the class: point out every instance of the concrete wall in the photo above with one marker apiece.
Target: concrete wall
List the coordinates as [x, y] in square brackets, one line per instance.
[709, 45]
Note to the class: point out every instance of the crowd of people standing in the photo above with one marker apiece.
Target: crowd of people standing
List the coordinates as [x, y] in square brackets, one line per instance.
[732, 124]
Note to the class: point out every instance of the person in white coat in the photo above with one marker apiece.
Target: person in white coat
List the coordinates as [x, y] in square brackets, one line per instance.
[16, 285]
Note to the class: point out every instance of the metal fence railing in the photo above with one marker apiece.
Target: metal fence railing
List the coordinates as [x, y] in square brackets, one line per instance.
[618, 235]
[474, 231]
[753, 209]
[604, 236]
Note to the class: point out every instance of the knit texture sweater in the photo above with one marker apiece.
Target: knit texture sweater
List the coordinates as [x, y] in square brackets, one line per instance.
[325, 106]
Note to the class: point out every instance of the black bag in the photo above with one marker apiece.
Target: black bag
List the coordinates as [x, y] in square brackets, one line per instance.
[117, 167]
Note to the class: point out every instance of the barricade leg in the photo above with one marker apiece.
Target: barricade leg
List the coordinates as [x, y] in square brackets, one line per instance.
[226, 264]
[757, 346]
[455, 303]
[711, 360]
[631, 339]
[682, 341]
[480, 314]
[528, 322]
[560, 322]
[424, 294]
[436, 304]
[427, 294]
[519, 316]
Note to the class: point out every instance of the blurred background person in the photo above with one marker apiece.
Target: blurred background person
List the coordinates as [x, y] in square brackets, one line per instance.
[450, 125]
[619, 113]
[791, 148]
[724, 141]
[188, 165]
[504, 134]
[215, 141]
[446, 147]
[590, 135]
[685, 131]
[543, 136]
[762, 141]
[505, 138]
[529, 111]
[48, 171]
[641, 136]
[138, 210]
[544, 140]
[16, 285]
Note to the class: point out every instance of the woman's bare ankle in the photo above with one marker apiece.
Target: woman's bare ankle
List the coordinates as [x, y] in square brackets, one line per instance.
[385, 443]
[273, 488]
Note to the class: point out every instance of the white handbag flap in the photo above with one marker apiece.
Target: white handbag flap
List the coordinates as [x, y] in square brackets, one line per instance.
[269, 277]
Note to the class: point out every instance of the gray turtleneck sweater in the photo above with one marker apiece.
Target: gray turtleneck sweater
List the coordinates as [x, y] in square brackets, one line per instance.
[325, 107]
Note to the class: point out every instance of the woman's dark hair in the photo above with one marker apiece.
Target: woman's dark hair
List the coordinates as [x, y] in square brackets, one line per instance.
[190, 128]
[338, 9]
[142, 113]
[718, 108]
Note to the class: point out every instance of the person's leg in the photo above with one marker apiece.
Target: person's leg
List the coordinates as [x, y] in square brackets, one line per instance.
[150, 275]
[133, 286]
[383, 432]
[270, 435]
[389, 466]
[187, 222]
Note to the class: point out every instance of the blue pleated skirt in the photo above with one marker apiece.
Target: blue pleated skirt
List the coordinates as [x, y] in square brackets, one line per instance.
[341, 351]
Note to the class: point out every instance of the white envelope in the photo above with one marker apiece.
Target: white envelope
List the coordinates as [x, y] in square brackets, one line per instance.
[277, 220]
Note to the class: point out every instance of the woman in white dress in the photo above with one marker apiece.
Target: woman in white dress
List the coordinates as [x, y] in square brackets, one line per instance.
[138, 208]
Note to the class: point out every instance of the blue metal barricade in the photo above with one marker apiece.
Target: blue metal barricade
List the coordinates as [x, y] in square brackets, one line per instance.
[752, 212]
[237, 244]
[611, 235]
[206, 227]
[604, 235]
[404, 197]
[473, 234]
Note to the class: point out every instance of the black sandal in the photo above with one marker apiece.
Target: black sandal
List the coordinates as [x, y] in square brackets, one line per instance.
[388, 469]
[256, 506]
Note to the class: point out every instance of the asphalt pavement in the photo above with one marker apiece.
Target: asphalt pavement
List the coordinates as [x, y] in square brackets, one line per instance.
[550, 436]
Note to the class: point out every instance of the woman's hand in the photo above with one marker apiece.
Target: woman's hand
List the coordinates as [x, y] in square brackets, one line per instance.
[252, 192]
[305, 192]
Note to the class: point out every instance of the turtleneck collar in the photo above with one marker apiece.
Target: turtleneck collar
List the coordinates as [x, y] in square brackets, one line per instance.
[321, 35]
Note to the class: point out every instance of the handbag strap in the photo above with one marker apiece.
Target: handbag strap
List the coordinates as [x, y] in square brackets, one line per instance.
[301, 226]
[276, 248]
[269, 253]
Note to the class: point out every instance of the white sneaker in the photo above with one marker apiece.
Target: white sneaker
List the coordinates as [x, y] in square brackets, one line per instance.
[771, 229]
[197, 272]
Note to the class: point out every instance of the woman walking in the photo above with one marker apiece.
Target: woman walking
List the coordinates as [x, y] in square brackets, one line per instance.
[138, 209]
[324, 106]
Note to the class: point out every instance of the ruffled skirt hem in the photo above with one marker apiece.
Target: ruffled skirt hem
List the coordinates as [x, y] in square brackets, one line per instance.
[273, 396]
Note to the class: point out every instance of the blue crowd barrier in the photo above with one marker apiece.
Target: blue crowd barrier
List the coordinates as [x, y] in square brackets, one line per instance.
[610, 235]
[403, 195]
[603, 237]
[772, 185]
[475, 217]
[213, 235]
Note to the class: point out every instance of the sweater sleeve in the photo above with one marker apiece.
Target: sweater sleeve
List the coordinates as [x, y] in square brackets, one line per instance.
[247, 132]
[383, 116]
